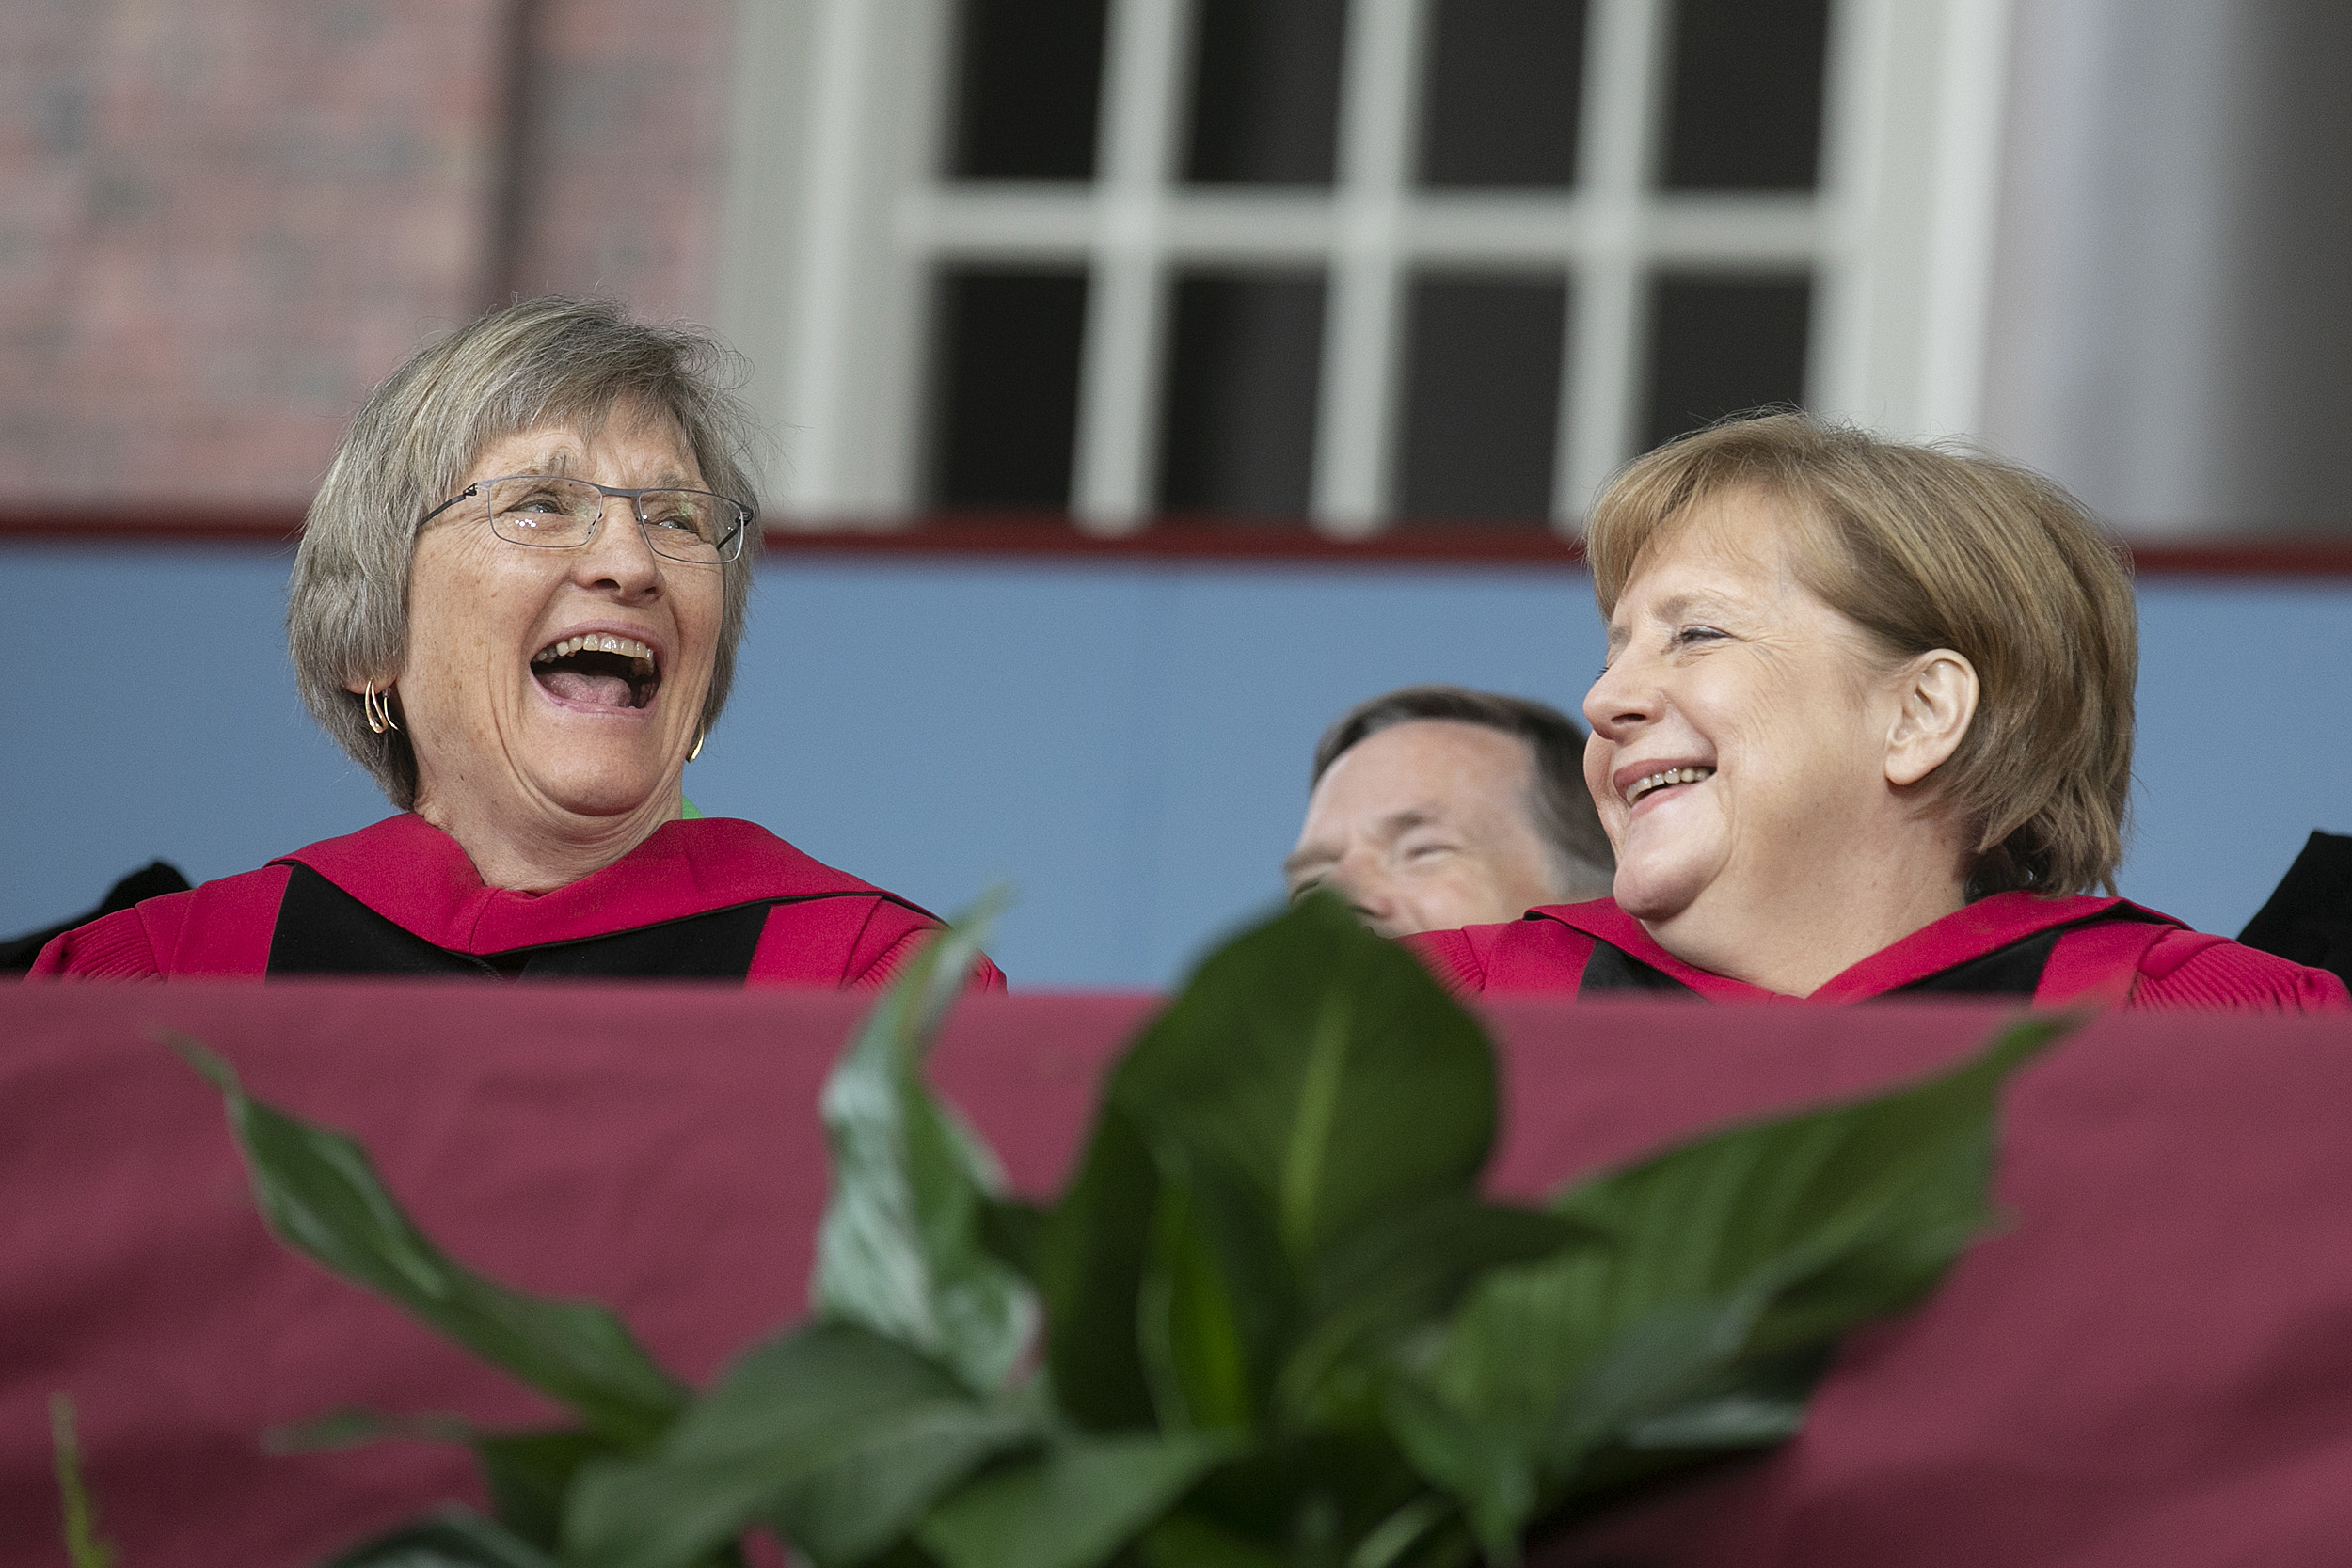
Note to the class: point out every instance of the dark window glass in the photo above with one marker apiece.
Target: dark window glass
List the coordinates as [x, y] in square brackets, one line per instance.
[1500, 105]
[1721, 344]
[1006, 388]
[1029, 90]
[1481, 398]
[1245, 355]
[1744, 99]
[1265, 91]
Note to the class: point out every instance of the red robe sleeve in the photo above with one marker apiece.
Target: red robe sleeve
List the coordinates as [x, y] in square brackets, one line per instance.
[845, 942]
[220, 931]
[2191, 970]
[115, 947]
[1517, 955]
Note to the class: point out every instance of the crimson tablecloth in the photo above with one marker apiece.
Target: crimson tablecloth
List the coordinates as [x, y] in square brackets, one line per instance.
[2151, 1365]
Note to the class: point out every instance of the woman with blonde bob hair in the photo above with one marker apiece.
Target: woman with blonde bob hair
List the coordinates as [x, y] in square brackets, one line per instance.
[1865, 730]
[518, 602]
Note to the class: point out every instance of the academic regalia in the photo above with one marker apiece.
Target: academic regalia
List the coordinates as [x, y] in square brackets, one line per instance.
[709, 899]
[2049, 951]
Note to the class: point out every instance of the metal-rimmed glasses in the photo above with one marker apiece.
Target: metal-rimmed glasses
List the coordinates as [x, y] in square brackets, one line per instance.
[552, 513]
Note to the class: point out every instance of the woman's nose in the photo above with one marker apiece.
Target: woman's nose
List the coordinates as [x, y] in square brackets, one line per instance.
[1621, 699]
[618, 556]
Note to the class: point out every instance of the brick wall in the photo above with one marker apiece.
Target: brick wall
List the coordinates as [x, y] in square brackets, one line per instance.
[224, 220]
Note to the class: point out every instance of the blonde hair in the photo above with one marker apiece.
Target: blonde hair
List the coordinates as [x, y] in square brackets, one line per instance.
[1930, 547]
[542, 361]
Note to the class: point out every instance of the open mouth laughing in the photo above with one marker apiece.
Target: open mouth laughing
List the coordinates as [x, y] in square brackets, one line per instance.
[599, 670]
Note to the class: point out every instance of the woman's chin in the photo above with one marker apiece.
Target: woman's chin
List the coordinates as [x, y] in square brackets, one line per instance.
[1653, 892]
[604, 792]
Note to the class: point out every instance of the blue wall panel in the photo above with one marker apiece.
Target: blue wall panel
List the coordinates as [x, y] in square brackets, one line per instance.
[1126, 744]
[2244, 740]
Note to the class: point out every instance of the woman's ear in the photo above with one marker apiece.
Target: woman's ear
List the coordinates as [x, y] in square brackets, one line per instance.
[1938, 695]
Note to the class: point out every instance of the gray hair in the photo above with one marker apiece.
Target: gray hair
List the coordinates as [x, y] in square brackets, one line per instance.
[542, 361]
[1562, 810]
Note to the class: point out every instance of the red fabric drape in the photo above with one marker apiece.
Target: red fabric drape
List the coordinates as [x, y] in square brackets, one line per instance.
[2152, 1365]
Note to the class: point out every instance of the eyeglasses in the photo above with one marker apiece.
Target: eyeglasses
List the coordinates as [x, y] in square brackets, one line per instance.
[554, 514]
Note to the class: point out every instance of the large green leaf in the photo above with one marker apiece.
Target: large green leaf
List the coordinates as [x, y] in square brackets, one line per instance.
[1184, 1539]
[531, 1473]
[1383, 1283]
[905, 1247]
[840, 1436]
[1488, 1466]
[1829, 1216]
[1324, 1069]
[321, 1193]
[1091, 1256]
[1311, 1080]
[1713, 1269]
[1218, 1300]
[1071, 1507]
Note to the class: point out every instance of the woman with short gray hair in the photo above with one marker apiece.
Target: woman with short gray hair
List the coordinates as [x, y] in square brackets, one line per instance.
[518, 602]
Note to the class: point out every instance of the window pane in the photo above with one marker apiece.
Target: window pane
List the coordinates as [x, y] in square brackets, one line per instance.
[1721, 344]
[1481, 398]
[1028, 88]
[1265, 91]
[1505, 82]
[1005, 387]
[1746, 96]
[1244, 356]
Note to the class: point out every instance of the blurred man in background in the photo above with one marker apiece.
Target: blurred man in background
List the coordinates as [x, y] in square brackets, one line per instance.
[1436, 806]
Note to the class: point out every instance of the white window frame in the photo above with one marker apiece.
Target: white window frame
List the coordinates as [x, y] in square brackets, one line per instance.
[839, 219]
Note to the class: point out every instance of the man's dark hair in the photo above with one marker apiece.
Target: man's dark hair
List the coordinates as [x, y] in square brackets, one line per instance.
[1562, 811]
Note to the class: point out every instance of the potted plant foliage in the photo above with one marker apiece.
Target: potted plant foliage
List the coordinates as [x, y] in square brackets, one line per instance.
[1272, 1320]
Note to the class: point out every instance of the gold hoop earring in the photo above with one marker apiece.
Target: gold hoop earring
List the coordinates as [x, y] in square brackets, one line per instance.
[379, 709]
[698, 746]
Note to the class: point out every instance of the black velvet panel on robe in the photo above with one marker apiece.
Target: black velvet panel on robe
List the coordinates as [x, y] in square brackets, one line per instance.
[324, 930]
[2012, 970]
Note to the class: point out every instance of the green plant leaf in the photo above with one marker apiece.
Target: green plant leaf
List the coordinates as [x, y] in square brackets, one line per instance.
[1074, 1506]
[1423, 1534]
[454, 1538]
[905, 1246]
[1384, 1283]
[1830, 1216]
[1195, 1323]
[1091, 1254]
[321, 1193]
[838, 1436]
[1324, 1069]
[1013, 1232]
[1311, 1078]
[529, 1474]
[352, 1427]
[78, 1512]
[1182, 1539]
[1715, 1276]
[1488, 1466]
[1755, 1404]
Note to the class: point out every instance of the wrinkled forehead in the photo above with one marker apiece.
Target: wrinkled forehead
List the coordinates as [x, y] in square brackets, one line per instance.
[560, 438]
[1429, 768]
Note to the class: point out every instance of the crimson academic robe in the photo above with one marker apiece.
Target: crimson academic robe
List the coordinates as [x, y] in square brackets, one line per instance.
[2051, 951]
[708, 898]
